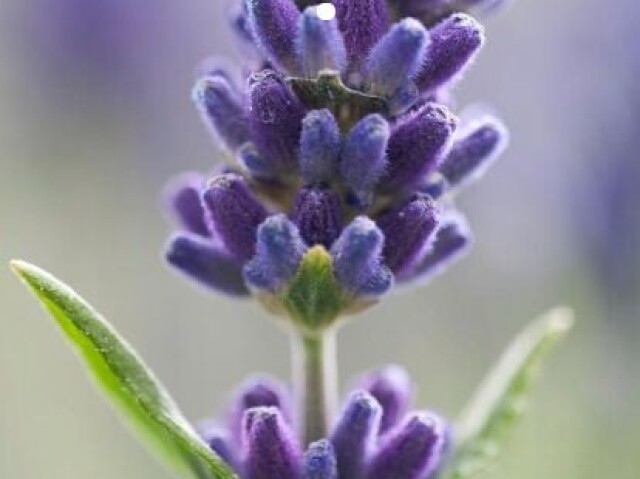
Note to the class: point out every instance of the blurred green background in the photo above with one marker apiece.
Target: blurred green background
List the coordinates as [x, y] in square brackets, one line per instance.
[95, 117]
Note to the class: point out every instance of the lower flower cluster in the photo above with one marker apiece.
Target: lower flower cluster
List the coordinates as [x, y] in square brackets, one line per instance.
[374, 437]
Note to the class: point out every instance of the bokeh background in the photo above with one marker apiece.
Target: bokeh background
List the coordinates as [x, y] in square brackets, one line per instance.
[95, 116]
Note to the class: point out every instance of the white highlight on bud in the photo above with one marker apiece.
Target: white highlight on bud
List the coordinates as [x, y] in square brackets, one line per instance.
[326, 11]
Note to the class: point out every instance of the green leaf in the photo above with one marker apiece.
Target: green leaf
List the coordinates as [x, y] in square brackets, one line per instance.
[122, 376]
[501, 399]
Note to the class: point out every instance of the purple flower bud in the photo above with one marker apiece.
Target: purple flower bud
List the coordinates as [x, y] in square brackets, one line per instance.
[392, 388]
[362, 23]
[413, 451]
[255, 164]
[275, 120]
[320, 461]
[320, 145]
[274, 24]
[417, 145]
[235, 214]
[357, 259]
[364, 158]
[355, 433]
[454, 44]
[319, 44]
[318, 214]
[271, 450]
[408, 232]
[222, 110]
[397, 57]
[218, 440]
[473, 154]
[184, 204]
[203, 262]
[279, 250]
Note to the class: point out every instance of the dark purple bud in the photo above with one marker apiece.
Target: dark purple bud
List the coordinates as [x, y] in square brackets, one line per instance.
[320, 461]
[363, 23]
[235, 214]
[454, 44]
[320, 145]
[408, 232]
[413, 451]
[275, 120]
[218, 440]
[357, 259]
[274, 24]
[255, 164]
[473, 154]
[222, 110]
[392, 388]
[417, 145]
[202, 261]
[279, 250]
[271, 450]
[364, 158]
[184, 204]
[355, 434]
[318, 214]
[319, 43]
[387, 70]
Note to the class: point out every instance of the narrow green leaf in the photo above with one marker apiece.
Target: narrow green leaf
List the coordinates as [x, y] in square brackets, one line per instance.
[126, 381]
[501, 399]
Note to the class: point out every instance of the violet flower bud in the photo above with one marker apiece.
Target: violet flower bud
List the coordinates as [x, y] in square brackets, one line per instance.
[184, 204]
[318, 214]
[218, 441]
[275, 119]
[271, 450]
[274, 24]
[202, 261]
[387, 70]
[235, 214]
[279, 250]
[255, 164]
[320, 461]
[408, 232]
[364, 157]
[319, 44]
[222, 110]
[391, 387]
[454, 44]
[354, 436]
[413, 451]
[417, 145]
[320, 145]
[357, 259]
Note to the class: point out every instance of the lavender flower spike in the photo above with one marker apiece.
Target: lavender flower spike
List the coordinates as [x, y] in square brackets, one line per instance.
[184, 205]
[317, 212]
[391, 387]
[319, 44]
[320, 461]
[387, 70]
[273, 25]
[320, 145]
[454, 44]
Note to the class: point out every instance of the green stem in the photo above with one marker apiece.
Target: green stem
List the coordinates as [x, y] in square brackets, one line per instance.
[315, 378]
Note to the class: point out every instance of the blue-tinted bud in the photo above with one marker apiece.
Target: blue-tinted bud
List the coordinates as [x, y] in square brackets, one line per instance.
[184, 205]
[417, 145]
[318, 214]
[320, 145]
[222, 110]
[219, 442]
[319, 44]
[205, 263]
[413, 451]
[354, 436]
[454, 44]
[396, 58]
[408, 232]
[255, 164]
[320, 461]
[473, 154]
[357, 259]
[274, 24]
[235, 214]
[364, 156]
[271, 450]
[279, 250]
[275, 119]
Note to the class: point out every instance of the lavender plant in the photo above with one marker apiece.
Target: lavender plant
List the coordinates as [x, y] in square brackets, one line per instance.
[346, 162]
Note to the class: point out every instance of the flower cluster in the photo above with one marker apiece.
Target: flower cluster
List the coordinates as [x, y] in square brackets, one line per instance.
[347, 157]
